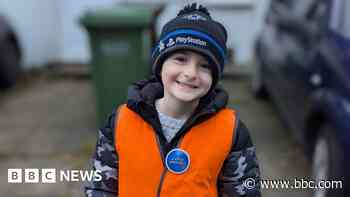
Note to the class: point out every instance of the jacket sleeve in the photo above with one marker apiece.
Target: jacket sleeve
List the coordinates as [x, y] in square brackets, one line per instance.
[240, 174]
[104, 159]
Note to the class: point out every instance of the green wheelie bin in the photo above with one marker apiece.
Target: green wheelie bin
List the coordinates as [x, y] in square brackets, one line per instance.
[120, 41]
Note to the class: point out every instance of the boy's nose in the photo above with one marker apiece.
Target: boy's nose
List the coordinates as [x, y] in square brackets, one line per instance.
[191, 71]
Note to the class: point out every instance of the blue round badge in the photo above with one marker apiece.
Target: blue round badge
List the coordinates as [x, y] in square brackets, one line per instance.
[177, 161]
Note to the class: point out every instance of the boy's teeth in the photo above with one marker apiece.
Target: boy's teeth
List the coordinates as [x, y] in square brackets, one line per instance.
[186, 84]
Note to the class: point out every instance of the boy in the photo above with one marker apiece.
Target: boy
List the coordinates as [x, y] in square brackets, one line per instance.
[175, 136]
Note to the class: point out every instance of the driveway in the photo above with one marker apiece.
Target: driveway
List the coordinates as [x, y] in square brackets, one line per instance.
[49, 121]
[281, 158]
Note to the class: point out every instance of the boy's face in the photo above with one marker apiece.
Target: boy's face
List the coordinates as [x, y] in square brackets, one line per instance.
[186, 76]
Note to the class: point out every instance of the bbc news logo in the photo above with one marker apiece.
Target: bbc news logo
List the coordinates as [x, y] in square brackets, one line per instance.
[51, 175]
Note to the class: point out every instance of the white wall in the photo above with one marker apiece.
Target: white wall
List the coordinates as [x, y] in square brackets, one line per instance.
[49, 30]
[261, 7]
[239, 31]
[36, 24]
[74, 41]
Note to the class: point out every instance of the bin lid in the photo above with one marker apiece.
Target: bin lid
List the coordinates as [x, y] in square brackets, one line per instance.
[118, 16]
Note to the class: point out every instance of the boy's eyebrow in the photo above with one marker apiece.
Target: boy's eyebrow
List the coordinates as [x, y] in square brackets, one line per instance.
[203, 61]
[181, 53]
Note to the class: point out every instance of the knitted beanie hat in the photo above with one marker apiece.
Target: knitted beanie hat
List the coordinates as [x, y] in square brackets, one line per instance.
[192, 29]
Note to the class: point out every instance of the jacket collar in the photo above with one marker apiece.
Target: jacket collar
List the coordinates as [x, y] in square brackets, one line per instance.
[142, 94]
[141, 97]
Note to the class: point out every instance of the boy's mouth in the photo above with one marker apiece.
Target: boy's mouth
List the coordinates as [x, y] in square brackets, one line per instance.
[186, 84]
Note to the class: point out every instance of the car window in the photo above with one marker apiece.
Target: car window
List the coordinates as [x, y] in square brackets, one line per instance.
[317, 14]
[346, 21]
[301, 7]
[278, 6]
[340, 21]
[287, 3]
[336, 15]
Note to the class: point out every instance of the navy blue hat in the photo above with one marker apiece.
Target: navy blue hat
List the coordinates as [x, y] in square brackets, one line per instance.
[192, 29]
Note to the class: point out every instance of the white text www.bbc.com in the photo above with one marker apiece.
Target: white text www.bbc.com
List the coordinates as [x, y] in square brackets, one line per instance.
[250, 183]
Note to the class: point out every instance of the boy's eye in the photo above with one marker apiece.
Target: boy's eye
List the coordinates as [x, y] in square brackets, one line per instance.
[180, 59]
[205, 66]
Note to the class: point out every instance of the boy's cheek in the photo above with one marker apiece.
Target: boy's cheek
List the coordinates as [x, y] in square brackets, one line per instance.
[170, 78]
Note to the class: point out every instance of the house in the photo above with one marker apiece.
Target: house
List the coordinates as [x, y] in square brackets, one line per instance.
[49, 31]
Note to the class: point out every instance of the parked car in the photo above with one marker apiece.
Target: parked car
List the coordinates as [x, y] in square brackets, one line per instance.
[10, 54]
[303, 65]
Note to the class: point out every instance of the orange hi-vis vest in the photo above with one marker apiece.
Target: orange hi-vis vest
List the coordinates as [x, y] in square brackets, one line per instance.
[142, 171]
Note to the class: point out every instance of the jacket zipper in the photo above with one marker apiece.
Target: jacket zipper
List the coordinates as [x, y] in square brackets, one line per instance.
[161, 182]
[162, 177]
[164, 173]
[162, 155]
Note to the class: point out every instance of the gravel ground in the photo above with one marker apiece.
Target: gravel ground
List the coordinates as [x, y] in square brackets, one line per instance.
[50, 122]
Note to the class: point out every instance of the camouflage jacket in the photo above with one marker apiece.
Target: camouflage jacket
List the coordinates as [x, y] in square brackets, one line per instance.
[240, 165]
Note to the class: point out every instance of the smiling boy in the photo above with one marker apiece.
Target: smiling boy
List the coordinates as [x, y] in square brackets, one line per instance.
[186, 78]
[175, 136]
